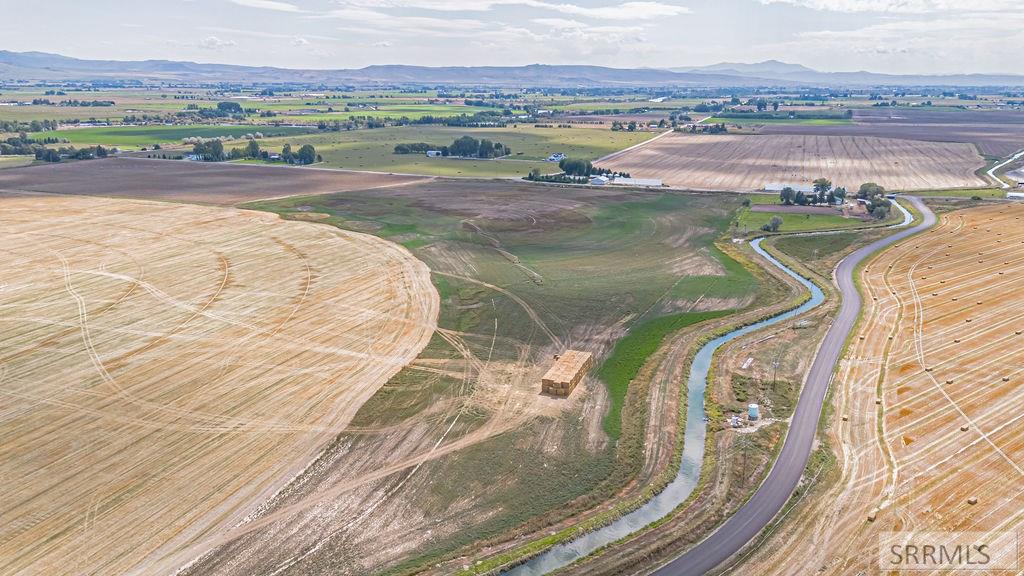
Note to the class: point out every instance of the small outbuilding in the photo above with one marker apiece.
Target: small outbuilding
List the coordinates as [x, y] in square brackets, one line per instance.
[599, 180]
[568, 371]
[434, 154]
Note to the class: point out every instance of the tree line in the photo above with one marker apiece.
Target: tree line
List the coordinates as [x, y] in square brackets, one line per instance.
[463, 147]
[213, 151]
[874, 196]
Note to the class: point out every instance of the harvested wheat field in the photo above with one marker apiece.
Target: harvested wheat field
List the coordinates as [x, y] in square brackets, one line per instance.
[749, 162]
[166, 368]
[929, 405]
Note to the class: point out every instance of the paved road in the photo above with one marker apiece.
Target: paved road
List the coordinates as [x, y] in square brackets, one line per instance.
[773, 494]
[992, 172]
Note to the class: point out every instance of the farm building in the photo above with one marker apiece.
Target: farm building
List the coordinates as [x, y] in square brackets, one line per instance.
[778, 186]
[643, 182]
[569, 369]
[434, 154]
[599, 180]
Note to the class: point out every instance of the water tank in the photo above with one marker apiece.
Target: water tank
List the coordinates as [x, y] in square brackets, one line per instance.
[754, 412]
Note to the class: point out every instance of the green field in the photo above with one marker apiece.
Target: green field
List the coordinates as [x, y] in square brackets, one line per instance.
[518, 266]
[630, 353]
[809, 249]
[15, 161]
[374, 149]
[750, 221]
[965, 193]
[129, 137]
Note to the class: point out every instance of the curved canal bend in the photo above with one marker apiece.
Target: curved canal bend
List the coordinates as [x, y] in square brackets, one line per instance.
[733, 535]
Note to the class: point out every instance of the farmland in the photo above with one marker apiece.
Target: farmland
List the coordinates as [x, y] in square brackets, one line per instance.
[523, 273]
[15, 161]
[166, 368]
[179, 181]
[732, 162]
[286, 107]
[134, 137]
[929, 434]
[993, 132]
[748, 220]
[374, 149]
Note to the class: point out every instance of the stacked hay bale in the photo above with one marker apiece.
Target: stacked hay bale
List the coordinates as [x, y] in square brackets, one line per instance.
[569, 369]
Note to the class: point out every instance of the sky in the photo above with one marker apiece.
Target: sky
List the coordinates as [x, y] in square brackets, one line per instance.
[891, 36]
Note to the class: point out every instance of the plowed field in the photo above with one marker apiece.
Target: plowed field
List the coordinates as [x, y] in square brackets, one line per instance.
[735, 162]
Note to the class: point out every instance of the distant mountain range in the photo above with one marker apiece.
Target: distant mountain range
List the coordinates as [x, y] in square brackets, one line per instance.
[41, 66]
[773, 70]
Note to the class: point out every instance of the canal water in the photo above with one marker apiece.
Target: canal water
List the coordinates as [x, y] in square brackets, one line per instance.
[693, 448]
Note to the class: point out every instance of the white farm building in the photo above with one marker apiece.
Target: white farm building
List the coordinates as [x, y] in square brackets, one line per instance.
[778, 186]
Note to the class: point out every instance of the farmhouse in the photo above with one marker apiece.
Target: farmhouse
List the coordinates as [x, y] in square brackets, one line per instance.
[569, 369]
[433, 153]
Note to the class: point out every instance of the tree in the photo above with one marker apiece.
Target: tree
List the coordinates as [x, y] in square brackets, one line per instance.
[252, 149]
[787, 195]
[631, 127]
[307, 154]
[466, 146]
[880, 212]
[822, 186]
[772, 225]
[230, 107]
[576, 167]
[840, 193]
[800, 198]
[286, 154]
[870, 190]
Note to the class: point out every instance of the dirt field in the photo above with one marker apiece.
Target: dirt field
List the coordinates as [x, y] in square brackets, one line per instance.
[165, 368]
[733, 162]
[196, 182]
[928, 402]
[999, 133]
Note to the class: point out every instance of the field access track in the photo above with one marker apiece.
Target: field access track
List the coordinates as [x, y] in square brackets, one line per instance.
[165, 368]
[749, 162]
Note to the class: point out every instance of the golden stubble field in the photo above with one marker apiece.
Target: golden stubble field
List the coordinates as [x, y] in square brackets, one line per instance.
[749, 162]
[929, 403]
[165, 368]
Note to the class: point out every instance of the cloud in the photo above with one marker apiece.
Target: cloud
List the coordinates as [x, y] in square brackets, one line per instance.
[367, 21]
[947, 43]
[634, 10]
[267, 5]
[215, 43]
[300, 41]
[382, 44]
[902, 6]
